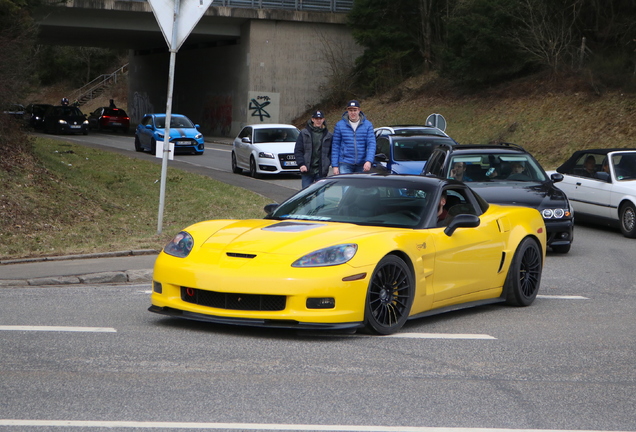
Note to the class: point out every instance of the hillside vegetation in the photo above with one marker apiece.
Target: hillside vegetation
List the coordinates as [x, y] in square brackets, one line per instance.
[550, 118]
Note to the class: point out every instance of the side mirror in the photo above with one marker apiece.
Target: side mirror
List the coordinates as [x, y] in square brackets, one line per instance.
[603, 176]
[270, 208]
[246, 140]
[149, 126]
[462, 221]
[381, 157]
[556, 177]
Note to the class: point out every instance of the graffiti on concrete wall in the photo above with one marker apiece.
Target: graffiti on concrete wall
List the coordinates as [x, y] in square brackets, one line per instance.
[217, 114]
[263, 107]
[140, 105]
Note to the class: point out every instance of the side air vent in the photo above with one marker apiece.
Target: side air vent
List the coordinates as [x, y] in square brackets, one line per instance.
[240, 255]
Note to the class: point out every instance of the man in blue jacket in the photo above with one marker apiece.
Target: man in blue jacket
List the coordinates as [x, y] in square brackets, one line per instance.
[353, 147]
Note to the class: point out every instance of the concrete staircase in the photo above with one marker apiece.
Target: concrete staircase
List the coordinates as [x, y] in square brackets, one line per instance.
[96, 87]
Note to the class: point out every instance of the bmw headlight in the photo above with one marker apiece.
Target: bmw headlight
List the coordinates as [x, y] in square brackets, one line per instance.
[266, 155]
[180, 246]
[330, 256]
[555, 213]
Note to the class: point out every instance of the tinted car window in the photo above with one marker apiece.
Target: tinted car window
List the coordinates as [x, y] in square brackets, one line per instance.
[275, 135]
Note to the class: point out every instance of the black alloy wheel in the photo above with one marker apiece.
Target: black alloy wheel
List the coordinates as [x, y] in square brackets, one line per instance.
[524, 275]
[235, 168]
[253, 172]
[390, 296]
[628, 220]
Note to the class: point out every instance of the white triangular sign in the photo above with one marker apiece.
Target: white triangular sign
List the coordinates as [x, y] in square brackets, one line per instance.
[189, 14]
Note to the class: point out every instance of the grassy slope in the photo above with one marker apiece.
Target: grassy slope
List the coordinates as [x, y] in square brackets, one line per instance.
[546, 117]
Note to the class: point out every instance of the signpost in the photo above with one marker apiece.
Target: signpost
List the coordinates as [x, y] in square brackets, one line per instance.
[177, 19]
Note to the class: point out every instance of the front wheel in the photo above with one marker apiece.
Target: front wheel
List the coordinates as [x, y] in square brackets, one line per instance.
[138, 146]
[524, 275]
[235, 168]
[253, 172]
[628, 220]
[390, 296]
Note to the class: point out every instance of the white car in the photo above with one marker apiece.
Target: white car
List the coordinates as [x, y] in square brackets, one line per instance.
[265, 149]
[601, 186]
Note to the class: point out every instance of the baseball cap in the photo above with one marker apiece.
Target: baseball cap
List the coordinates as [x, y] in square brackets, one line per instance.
[318, 114]
[353, 104]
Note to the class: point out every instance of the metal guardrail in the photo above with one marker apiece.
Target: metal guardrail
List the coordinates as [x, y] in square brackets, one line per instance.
[339, 6]
[300, 5]
[93, 88]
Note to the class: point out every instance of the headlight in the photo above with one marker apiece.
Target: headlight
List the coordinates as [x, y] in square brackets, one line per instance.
[180, 246]
[160, 136]
[330, 256]
[198, 136]
[85, 122]
[61, 121]
[266, 155]
[555, 213]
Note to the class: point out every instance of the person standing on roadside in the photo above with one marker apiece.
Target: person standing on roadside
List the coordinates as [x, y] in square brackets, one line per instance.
[353, 148]
[313, 149]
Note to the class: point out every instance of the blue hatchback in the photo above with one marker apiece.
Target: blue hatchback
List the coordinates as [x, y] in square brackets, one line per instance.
[183, 133]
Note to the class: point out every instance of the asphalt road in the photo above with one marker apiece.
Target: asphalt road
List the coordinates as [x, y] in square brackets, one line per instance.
[86, 357]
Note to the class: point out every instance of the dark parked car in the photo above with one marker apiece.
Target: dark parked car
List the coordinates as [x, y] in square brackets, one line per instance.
[65, 119]
[109, 118]
[405, 154]
[508, 174]
[34, 115]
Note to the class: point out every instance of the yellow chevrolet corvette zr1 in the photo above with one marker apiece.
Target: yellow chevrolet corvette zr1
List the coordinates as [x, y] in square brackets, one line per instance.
[354, 251]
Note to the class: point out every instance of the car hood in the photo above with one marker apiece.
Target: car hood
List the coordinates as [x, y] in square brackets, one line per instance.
[527, 194]
[180, 132]
[264, 236]
[275, 147]
[408, 167]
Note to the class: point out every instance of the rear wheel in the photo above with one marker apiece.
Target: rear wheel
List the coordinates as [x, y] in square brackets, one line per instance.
[253, 171]
[628, 220]
[390, 296]
[235, 168]
[524, 276]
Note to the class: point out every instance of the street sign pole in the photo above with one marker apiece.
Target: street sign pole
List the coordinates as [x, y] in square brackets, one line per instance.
[176, 24]
[166, 136]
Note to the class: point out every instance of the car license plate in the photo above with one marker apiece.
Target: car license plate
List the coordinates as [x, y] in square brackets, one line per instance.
[289, 163]
[75, 126]
[116, 124]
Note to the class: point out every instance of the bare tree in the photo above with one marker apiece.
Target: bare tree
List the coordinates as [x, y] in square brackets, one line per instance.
[547, 31]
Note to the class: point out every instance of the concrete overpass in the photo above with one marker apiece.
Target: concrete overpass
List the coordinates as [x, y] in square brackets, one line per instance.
[246, 61]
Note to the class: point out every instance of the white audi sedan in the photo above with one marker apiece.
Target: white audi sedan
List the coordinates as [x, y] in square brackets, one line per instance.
[265, 149]
[601, 186]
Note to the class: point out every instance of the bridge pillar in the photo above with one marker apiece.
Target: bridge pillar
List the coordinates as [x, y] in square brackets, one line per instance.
[272, 73]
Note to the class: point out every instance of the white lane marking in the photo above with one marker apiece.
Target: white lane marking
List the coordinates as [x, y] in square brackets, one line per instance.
[564, 297]
[58, 329]
[439, 336]
[266, 426]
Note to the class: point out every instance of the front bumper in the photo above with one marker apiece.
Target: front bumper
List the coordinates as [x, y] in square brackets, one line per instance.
[560, 231]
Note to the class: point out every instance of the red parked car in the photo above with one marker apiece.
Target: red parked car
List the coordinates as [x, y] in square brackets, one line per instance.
[109, 118]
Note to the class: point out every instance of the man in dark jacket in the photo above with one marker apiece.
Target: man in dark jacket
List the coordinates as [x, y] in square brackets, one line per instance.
[353, 148]
[313, 149]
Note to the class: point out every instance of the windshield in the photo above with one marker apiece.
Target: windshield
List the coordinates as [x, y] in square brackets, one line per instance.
[624, 166]
[275, 135]
[175, 122]
[495, 167]
[413, 149]
[396, 204]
